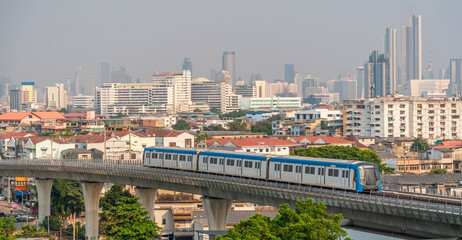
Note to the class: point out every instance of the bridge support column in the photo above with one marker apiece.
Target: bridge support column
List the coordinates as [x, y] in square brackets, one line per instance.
[43, 194]
[91, 194]
[147, 199]
[217, 212]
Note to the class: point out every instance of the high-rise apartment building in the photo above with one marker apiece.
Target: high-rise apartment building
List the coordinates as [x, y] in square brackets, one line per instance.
[104, 73]
[83, 101]
[404, 117]
[289, 73]
[28, 92]
[187, 65]
[377, 76]
[260, 89]
[246, 91]
[215, 94]
[389, 48]
[56, 96]
[15, 99]
[229, 65]
[411, 49]
[455, 75]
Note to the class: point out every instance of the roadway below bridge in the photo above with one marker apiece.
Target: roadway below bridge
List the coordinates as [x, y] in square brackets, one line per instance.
[377, 211]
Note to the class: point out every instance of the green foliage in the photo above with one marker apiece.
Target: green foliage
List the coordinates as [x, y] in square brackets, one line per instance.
[79, 231]
[55, 223]
[344, 152]
[112, 196]
[128, 220]
[306, 221]
[7, 228]
[262, 126]
[67, 197]
[214, 127]
[197, 110]
[32, 231]
[438, 171]
[202, 137]
[419, 144]
[277, 117]
[235, 114]
[181, 125]
[237, 125]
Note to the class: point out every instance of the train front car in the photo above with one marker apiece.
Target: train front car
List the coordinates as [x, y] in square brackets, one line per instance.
[369, 176]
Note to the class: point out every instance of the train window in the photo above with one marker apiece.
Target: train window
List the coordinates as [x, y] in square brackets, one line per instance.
[321, 171]
[213, 160]
[288, 168]
[168, 156]
[310, 170]
[189, 158]
[298, 169]
[230, 162]
[332, 173]
[154, 155]
[147, 155]
[175, 157]
[182, 158]
[204, 160]
[258, 165]
[248, 164]
[345, 174]
[222, 161]
[277, 167]
[239, 163]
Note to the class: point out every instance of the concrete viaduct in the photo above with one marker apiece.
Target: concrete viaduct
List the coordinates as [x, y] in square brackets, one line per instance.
[418, 218]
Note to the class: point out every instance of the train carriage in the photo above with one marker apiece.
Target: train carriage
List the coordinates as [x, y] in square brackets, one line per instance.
[334, 173]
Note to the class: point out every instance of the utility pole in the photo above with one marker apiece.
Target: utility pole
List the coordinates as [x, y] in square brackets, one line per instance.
[405, 153]
[129, 143]
[104, 135]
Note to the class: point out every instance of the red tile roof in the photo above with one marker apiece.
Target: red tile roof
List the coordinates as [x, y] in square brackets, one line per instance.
[253, 142]
[162, 133]
[447, 144]
[38, 139]
[14, 116]
[86, 139]
[16, 134]
[49, 115]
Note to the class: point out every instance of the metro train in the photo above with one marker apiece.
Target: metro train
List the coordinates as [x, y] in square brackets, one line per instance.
[334, 173]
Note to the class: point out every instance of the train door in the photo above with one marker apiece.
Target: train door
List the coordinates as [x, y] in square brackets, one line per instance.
[221, 164]
[345, 178]
[205, 165]
[189, 161]
[321, 175]
[298, 173]
[277, 170]
[239, 166]
[175, 160]
[161, 159]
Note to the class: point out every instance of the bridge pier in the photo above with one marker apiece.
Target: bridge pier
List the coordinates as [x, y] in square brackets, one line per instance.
[147, 199]
[217, 212]
[91, 194]
[43, 194]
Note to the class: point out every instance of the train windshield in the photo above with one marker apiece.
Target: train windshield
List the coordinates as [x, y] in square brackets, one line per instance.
[369, 175]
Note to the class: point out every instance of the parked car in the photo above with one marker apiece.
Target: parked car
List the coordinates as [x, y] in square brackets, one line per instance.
[24, 218]
[2, 198]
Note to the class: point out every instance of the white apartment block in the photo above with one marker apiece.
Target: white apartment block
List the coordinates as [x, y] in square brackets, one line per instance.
[229, 100]
[404, 117]
[271, 102]
[313, 114]
[56, 96]
[83, 101]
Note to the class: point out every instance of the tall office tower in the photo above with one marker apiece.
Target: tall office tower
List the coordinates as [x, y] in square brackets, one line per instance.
[187, 65]
[56, 96]
[360, 82]
[104, 73]
[229, 65]
[298, 79]
[119, 75]
[28, 92]
[411, 50]
[260, 88]
[15, 99]
[213, 74]
[345, 88]
[455, 75]
[389, 47]
[289, 73]
[377, 76]
[76, 88]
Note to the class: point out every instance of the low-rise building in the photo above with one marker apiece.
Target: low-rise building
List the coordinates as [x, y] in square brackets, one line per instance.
[318, 141]
[170, 138]
[271, 102]
[256, 145]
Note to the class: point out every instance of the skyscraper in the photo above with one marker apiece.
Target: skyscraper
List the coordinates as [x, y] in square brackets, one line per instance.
[15, 99]
[119, 75]
[187, 65]
[229, 64]
[56, 96]
[411, 50]
[455, 75]
[28, 92]
[389, 48]
[360, 82]
[104, 73]
[289, 73]
[377, 76]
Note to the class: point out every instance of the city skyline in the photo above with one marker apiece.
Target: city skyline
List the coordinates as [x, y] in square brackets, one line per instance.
[34, 52]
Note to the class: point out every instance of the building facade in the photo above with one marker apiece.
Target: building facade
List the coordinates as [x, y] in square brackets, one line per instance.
[56, 96]
[271, 102]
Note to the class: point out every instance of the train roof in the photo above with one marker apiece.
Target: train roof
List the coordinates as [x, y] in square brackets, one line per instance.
[320, 161]
[173, 149]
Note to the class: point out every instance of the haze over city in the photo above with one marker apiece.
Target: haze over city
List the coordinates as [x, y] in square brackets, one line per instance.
[44, 41]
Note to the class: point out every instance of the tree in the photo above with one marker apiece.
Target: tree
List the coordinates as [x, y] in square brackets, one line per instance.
[235, 114]
[214, 127]
[215, 110]
[202, 137]
[197, 110]
[262, 126]
[306, 221]
[128, 220]
[32, 231]
[67, 197]
[277, 117]
[419, 144]
[7, 228]
[111, 197]
[237, 125]
[55, 223]
[181, 125]
[344, 152]
[438, 171]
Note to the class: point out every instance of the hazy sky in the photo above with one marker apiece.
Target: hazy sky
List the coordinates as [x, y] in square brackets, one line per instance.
[44, 41]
